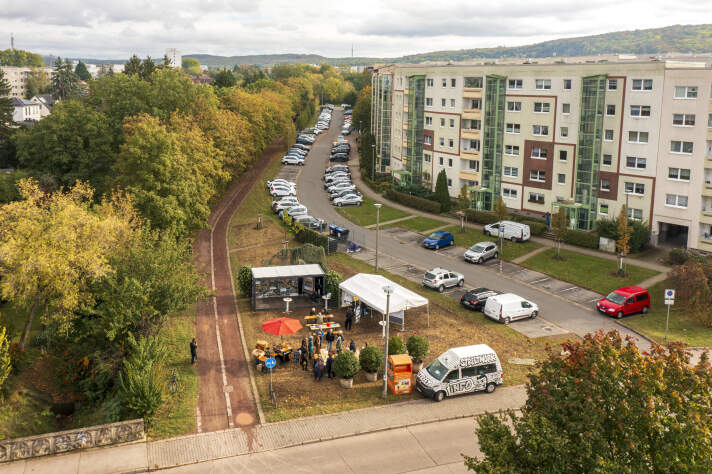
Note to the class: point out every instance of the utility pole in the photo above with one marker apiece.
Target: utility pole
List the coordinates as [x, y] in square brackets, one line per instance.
[373, 170]
[378, 216]
[387, 290]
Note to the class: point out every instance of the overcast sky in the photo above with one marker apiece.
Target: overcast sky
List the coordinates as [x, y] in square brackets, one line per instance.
[115, 29]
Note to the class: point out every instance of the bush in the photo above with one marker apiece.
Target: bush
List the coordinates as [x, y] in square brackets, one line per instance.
[140, 384]
[244, 279]
[414, 201]
[678, 256]
[333, 279]
[370, 358]
[640, 239]
[346, 365]
[581, 238]
[537, 228]
[607, 228]
[396, 346]
[480, 217]
[5, 361]
[418, 347]
[310, 236]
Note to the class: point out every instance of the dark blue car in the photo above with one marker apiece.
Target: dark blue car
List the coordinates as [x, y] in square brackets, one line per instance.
[438, 240]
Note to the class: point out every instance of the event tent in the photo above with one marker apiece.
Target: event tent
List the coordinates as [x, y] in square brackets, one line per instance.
[369, 290]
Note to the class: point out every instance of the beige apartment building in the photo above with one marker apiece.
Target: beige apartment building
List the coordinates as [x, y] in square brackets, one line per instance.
[584, 135]
[16, 76]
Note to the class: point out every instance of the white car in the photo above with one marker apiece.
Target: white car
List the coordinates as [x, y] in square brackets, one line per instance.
[297, 211]
[348, 200]
[277, 181]
[341, 187]
[292, 160]
[285, 204]
[508, 307]
[282, 192]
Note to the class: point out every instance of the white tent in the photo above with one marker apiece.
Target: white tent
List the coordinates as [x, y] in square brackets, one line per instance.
[369, 290]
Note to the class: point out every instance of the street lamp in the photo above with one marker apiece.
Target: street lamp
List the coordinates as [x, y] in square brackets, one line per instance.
[388, 290]
[373, 169]
[359, 128]
[378, 217]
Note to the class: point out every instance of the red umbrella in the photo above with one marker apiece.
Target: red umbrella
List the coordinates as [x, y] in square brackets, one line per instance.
[281, 326]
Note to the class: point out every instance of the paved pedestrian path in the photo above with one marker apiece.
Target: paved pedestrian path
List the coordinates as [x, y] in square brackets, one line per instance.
[394, 221]
[529, 255]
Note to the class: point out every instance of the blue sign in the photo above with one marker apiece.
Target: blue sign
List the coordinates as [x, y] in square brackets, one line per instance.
[270, 363]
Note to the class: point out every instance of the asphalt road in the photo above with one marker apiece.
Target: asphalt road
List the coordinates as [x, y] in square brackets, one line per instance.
[562, 313]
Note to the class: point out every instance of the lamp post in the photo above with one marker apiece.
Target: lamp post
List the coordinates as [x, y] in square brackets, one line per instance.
[378, 218]
[373, 169]
[360, 131]
[388, 290]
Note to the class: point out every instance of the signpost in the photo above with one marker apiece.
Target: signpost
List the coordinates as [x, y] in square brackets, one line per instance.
[501, 245]
[669, 301]
[270, 363]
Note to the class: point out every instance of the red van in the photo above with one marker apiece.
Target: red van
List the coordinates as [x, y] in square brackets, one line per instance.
[627, 300]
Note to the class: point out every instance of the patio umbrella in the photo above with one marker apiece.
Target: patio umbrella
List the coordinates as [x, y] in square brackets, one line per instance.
[281, 326]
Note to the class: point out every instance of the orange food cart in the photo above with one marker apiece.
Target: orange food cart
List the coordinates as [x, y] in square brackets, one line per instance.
[400, 374]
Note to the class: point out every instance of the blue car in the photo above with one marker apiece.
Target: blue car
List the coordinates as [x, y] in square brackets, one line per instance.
[438, 240]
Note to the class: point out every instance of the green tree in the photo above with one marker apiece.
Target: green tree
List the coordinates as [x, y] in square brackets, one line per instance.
[559, 226]
[37, 82]
[5, 361]
[20, 58]
[370, 359]
[624, 234]
[82, 72]
[361, 117]
[441, 192]
[147, 68]
[65, 84]
[333, 280]
[132, 67]
[463, 200]
[191, 66]
[141, 385]
[500, 209]
[224, 78]
[600, 405]
[6, 107]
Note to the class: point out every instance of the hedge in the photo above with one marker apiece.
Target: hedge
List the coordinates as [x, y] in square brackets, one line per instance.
[413, 201]
[310, 236]
[480, 217]
[581, 238]
[537, 228]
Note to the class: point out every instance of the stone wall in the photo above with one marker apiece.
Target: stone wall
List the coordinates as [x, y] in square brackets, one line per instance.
[65, 441]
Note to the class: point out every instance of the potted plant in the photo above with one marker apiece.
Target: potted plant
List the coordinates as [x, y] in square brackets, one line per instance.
[371, 359]
[418, 348]
[395, 345]
[345, 367]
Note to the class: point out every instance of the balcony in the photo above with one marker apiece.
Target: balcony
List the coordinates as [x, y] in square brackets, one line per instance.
[469, 175]
[706, 217]
[708, 161]
[704, 244]
[469, 153]
[472, 93]
[707, 189]
[471, 133]
[472, 114]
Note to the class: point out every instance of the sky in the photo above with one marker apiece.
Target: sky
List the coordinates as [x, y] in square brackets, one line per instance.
[112, 29]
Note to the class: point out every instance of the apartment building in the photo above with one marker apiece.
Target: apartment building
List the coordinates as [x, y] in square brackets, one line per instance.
[16, 77]
[582, 135]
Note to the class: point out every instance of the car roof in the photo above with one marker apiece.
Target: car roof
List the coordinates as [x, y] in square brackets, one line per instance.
[484, 242]
[439, 270]
[478, 291]
[630, 290]
[441, 232]
[508, 297]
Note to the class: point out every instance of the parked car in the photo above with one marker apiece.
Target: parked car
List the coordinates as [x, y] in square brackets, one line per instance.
[348, 200]
[480, 252]
[280, 181]
[338, 194]
[624, 301]
[282, 205]
[334, 168]
[311, 222]
[339, 159]
[301, 146]
[438, 240]
[476, 299]
[514, 231]
[292, 160]
[509, 307]
[295, 211]
[283, 186]
[439, 279]
[341, 187]
[282, 192]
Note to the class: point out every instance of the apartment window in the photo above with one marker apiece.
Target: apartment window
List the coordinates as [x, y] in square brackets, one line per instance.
[610, 109]
[605, 185]
[452, 123]
[451, 143]
[635, 162]
[428, 120]
[564, 132]
[679, 174]
[607, 160]
[468, 124]
[563, 155]
[515, 84]
[686, 92]
[442, 141]
[443, 102]
[453, 82]
[640, 111]
[683, 120]
[676, 200]
[473, 82]
[540, 130]
[541, 107]
[429, 101]
[427, 140]
[536, 198]
[449, 183]
[452, 103]
[473, 165]
[635, 188]
[543, 84]
[637, 137]
[642, 84]
[442, 122]
[635, 214]
[681, 147]
[442, 160]
[473, 145]
[514, 106]
[608, 135]
[475, 104]
[612, 84]
[561, 178]
[539, 153]
[511, 171]
[511, 150]
[565, 108]
[427, 157]
[512, 128]
[449, 162]
[429, 82]
[603, 209]
[567, 84]
[444, 82]
[509, 193]
[709, 121]
[537, 175]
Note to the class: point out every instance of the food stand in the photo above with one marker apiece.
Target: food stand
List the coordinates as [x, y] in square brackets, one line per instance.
[400, 374]
[303, 283]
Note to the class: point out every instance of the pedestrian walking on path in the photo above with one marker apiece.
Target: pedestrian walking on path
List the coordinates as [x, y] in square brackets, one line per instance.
[193, 351]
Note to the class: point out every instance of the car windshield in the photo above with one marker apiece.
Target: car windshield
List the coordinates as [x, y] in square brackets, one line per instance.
[616, 298]
[430, 276]
[477, 248]
[437, 370]
[435, 236]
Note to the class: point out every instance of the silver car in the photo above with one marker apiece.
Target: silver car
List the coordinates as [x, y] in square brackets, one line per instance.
[439, 279]
[481, 251]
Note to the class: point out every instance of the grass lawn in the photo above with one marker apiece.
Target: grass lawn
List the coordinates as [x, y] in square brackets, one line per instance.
[365, 214]
[511, 250]
[418, 224]
[682, 327]
[594, 273]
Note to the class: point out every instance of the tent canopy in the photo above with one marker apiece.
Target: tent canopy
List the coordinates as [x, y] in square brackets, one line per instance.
[369, 289]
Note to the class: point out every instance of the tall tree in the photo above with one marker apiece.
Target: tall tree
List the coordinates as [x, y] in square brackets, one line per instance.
[463, 200]
[500, 209]
[602, 406]
[19, 58]
[65, 84]
[624, 234]
[441, 191]
[191, 66]
[6, 107]
[362, 110]
[37, 82]
[224, 78]
[559, 226]
[147, 68]
[166, 63]
[82, 72]
[132, 67]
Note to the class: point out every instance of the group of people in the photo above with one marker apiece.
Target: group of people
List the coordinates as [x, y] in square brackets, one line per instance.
[311, 347]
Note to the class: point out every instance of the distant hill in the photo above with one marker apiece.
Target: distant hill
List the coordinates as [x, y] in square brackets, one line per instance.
[275, 59]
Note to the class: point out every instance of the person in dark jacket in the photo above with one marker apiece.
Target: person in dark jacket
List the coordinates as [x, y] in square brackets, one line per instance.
[330, 338]
[349, 319]
[352, 346]
[329, 366]
[193, 351]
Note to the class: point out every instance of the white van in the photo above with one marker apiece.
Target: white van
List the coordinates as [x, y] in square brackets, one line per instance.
[514, 231]
[460, 370]
[507, 307]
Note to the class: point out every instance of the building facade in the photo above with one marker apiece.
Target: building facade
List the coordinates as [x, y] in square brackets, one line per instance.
[26, 110]
[16, 77]
[175, 57]
[582, 135]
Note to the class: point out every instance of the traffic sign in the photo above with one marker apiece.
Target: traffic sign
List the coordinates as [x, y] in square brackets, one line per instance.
[270, 363]
[670, 302]
[501, 230]
[670, 294]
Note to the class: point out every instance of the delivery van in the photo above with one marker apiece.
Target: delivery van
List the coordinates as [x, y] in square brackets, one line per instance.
[509, 307]
[514, 231]
[460, 370]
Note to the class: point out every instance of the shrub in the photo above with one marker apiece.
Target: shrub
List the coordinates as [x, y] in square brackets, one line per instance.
[607, 228]
[244, 279]
[310, 236]
[346, 365]
[640, 240]
[5, 361]
[581, 238]
[418, 347]
[480, 217]
[537, 228]
[140, 384]
[396, 346]
[370, 358]
[414, 201]
[333, 279]
[678, 256]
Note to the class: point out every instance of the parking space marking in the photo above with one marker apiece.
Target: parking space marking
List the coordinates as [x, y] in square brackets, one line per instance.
[538, 281]
[569, 289]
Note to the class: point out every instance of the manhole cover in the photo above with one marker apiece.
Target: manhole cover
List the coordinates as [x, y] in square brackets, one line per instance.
[227, 389]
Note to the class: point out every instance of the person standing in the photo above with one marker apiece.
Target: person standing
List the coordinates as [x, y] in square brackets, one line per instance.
[312, 312]
[319, 369]
[339, 342]
[193, 351]
[317, 346]
[349, 319]
[329, 339]
[352, 346]
[329, 366]
[310, 346]
[547, 218]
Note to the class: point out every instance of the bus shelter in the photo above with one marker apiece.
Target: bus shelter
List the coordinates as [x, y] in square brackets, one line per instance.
[304, 284]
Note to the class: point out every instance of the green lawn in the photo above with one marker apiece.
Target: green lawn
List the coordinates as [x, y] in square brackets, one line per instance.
[594, 273]
[418, 224]
[682, 327]
[511, 250]
[365, 214]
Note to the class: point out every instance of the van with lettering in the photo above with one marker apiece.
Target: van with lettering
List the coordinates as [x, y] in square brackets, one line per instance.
[460, 370]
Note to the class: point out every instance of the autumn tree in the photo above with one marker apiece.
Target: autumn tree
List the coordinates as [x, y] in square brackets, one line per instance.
[559, 226]
[500, 209]
[20, 58]
[694, 289]
[602, 406]
[191, 66]
[361, 117]
[624, 234]
[5, 361]
[463, 200]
